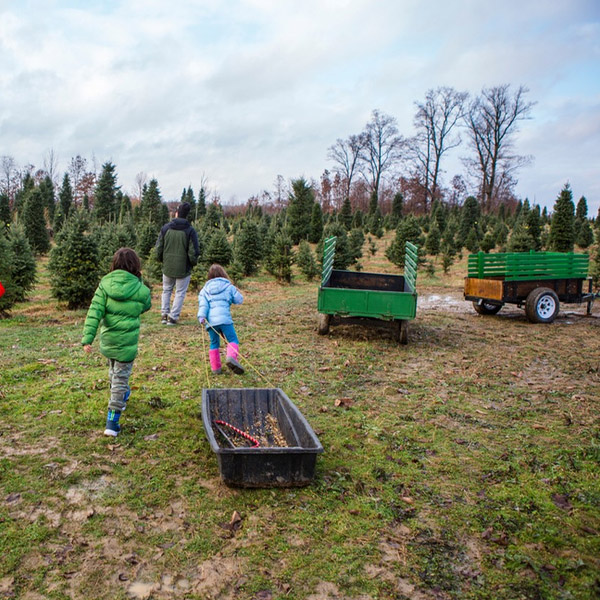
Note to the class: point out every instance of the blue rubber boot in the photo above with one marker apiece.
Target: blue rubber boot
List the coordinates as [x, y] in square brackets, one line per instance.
[112, 423]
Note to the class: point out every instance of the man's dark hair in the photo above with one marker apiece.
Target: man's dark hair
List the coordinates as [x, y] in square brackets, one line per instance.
[183, 210]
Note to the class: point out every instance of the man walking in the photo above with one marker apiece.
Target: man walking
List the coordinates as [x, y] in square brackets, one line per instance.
[177, 249]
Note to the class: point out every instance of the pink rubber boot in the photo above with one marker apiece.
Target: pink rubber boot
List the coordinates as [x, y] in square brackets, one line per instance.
[215, 361]
[231, 360]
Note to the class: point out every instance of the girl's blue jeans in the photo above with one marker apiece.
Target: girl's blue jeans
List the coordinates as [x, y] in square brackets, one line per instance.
[227, 330]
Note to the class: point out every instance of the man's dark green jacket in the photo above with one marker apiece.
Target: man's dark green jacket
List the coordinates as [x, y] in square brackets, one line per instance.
[177, 248]
[119, 301]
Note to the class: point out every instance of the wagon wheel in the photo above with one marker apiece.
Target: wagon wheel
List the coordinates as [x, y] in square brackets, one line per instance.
[486, 308]
[542, 305]
[324, 322]
[401, 331]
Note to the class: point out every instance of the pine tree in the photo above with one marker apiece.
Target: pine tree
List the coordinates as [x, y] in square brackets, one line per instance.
[469, 220]
[151, 206]
[356, 240]
[35, 222]
[299, 210]
[218, 249]
[73, 264]
[343, 256]
[585, 237]
[472, 241]
[306, 262]
[47, 190]
[346, 214]
[12, 290]
[201, 205]
[375, 223]
[105, 194]
[409, 230]
[534, 226]
[4, 211]
[125, 208]
[23, 266]
[488, 242]
[248, 251]
[397, 210]
[281, 257]
[434, 240]
[65, 197]
[562, 235]
[315, 231]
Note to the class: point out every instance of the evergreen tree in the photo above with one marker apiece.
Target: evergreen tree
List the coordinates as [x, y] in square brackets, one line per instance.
[213, 217]
[469, 220]
[344, 254]
[501, 235]
[23, 266]
[4, 211]
[315, 231]
[534, 226]
[472, 241]
[201, 205]
[562, 235]
[356, 240]
[125, 209]
[73, 264]
[306, 261]
[299, 210]
[373, 203]
[151, 206]
[582, 209]
[281, 257]
[488, 242]
[27, 186]
[375, 223]
[13, 291]
[594, 269]
[109, 238]
[346, 214]
[585, 237]
[358, 220]
[35, 222]
[47, 190]
[146, 239]
[248, 251]
[408, 230]
[65, 197]
[433, 243]
[218, 249]
[105, 194]
[397, 210]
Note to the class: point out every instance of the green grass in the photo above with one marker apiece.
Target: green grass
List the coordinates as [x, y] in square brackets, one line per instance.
[464, 465]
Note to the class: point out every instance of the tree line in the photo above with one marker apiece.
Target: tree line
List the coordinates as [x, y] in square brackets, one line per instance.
[81, 239]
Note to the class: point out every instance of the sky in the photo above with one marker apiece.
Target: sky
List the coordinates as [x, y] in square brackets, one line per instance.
[233, 93]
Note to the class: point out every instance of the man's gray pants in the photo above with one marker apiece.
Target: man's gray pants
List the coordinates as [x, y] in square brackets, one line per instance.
[181, 286]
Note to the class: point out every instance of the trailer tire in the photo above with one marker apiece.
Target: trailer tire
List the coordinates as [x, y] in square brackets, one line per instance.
[486, 308]
[324, 322]
[542, 305]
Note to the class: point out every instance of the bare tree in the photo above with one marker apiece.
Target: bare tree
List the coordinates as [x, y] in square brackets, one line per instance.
[51, 165]
[435, 120]
[281, 192]
[141, 179]
[77, 170]
[381, 148]
[491, 121]
[346, 155]
[10, 178]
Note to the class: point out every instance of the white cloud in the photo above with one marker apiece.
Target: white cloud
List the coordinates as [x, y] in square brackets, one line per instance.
[243, 90]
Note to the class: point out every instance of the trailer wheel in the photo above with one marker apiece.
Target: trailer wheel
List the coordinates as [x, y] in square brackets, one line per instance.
[542, 305]
[486, 308]
[324, 321]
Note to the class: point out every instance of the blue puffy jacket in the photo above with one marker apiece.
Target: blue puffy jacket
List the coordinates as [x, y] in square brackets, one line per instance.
[214, 300]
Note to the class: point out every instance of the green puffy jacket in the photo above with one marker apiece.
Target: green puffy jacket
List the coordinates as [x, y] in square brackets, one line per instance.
[117, 304]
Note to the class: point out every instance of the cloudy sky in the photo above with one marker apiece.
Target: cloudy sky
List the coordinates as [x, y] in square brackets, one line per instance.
[240, 91]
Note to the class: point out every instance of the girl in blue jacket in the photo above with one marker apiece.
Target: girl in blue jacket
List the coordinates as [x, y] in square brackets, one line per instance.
[214, 301]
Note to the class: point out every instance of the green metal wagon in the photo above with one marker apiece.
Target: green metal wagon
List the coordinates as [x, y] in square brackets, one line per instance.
[351, 296]
[536, 281]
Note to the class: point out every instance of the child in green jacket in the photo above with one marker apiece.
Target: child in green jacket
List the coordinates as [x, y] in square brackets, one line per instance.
[117, 305]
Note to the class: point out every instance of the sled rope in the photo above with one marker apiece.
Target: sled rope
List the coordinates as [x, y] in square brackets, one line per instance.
[204, 354]
[255, 442]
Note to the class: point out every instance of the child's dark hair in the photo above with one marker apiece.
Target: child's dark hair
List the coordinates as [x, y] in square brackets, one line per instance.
[216, 271]
[127, 260]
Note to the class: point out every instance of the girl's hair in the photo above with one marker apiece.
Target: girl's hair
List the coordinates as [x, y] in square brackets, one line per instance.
[216, 271]
[127, 260]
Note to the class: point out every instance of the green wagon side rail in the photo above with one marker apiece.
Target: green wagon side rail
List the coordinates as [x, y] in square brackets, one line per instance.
[528, 266]
[411, 258]
[328, 256]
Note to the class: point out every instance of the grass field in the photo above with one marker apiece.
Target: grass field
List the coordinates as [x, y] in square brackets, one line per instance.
[462, 465]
